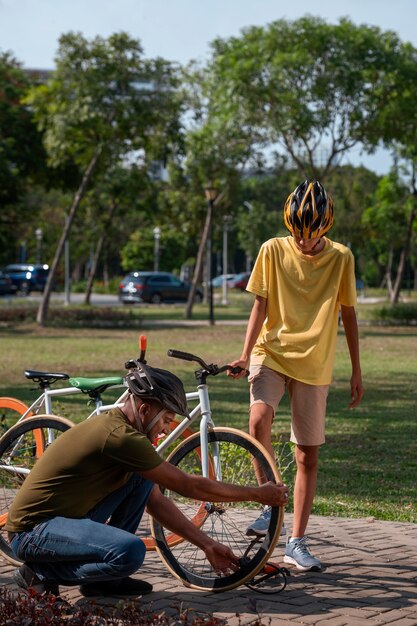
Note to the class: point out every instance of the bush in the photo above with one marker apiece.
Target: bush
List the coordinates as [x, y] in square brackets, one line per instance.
[42, 610]
[403, 312]
[73, 316]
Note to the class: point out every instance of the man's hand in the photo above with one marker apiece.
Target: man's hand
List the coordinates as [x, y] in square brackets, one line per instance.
[272, 494]
[221, 558]
[356, 390]
[239, 363]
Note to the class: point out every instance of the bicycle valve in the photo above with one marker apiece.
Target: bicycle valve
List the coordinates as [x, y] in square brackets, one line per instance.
[142, 346]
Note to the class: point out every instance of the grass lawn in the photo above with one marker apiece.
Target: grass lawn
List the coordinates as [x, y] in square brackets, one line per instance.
[369, 465]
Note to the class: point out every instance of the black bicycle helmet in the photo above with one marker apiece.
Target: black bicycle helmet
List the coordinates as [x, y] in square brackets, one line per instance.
[154, 383]
[308, 211]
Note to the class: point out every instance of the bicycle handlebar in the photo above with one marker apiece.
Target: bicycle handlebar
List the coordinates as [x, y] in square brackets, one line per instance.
[186, 356]
[212, 369]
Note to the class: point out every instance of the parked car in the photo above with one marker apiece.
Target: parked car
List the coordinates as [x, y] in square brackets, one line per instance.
[27, 277]
[218, 280]
[6, 285]
[240, 281]
[154, 287]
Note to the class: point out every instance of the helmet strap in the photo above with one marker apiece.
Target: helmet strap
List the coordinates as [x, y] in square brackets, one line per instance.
[154, 420]
[138, 419]
[136, 415]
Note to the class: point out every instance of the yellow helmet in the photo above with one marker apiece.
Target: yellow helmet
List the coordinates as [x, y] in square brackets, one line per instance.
[308, 211]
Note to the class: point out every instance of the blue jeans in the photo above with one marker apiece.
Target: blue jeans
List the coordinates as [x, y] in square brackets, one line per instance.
[88, 550]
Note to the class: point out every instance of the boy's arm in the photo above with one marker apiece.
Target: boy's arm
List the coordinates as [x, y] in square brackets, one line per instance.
[255, 322]
[350, 325]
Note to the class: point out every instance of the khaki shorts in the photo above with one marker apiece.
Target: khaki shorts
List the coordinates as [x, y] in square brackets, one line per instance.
[308, 402]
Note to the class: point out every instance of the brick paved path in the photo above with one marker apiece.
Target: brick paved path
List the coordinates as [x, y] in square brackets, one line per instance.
[370, 580]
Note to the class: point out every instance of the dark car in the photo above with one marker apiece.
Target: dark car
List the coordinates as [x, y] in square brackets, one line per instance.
[27, 277]
[155, 287]
[240, 281]
[6, 285]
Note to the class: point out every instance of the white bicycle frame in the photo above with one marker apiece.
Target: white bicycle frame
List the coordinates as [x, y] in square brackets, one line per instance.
[206, 425]
[45, 400]
[202, 408]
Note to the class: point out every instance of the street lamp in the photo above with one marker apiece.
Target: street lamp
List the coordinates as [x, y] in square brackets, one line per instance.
[227, 220]
[211, 194]
[156, 239]
[38, 235]
[249, 207]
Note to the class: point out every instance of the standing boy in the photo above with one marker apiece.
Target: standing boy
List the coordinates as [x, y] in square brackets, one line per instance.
[301, 283]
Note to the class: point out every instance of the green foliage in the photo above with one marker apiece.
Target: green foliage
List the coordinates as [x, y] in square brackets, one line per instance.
[138, 253]
[312, 87]
[22, 158]
[403, 312]
[385, 222]
[104, 93]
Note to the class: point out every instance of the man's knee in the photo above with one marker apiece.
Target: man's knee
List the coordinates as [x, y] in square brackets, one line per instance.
[130, 555]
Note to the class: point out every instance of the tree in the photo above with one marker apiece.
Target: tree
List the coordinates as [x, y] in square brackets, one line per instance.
[22, 157]
[386, 223]
[216, 150]
[312, 90]
[103, 104]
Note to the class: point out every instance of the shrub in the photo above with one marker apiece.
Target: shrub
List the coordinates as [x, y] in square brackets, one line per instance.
[47, 610]
[403, 312]
[73, 316]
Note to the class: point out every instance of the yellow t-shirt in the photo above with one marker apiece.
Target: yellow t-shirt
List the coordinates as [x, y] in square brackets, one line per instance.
[304, 294]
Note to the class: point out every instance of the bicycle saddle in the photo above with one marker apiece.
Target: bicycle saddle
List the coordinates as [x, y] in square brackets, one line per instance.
[45, 378]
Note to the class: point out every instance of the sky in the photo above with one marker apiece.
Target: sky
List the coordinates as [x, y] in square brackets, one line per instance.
[181, 30]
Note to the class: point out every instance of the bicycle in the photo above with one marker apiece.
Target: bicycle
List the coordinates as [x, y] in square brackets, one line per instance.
[218, 453]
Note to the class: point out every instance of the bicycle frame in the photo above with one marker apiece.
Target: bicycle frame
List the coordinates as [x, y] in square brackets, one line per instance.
[45, 400]
[202, 409]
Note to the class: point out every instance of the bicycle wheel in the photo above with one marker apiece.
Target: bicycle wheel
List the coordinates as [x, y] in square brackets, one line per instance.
[19, 450]
[11, 409]
[238, 454]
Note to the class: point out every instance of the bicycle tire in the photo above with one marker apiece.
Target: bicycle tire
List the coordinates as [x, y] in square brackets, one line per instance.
[21, 444]
[238, 451]
[11, 410]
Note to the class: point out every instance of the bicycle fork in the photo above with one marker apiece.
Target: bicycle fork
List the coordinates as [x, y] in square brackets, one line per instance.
[206, 426]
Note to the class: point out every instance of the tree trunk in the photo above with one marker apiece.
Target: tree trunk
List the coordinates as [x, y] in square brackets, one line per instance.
[394, 296]
[388, 276]
[97, 253]
[198, 265]
[44, 305]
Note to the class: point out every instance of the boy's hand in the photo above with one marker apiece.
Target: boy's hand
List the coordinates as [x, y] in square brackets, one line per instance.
[273, 494]
[239, 363]
[356, 390]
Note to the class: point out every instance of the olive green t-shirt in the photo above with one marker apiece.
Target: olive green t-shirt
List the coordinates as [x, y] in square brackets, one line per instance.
[79, 469]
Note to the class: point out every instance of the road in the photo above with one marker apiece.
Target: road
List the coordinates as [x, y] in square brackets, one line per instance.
[75, 298]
